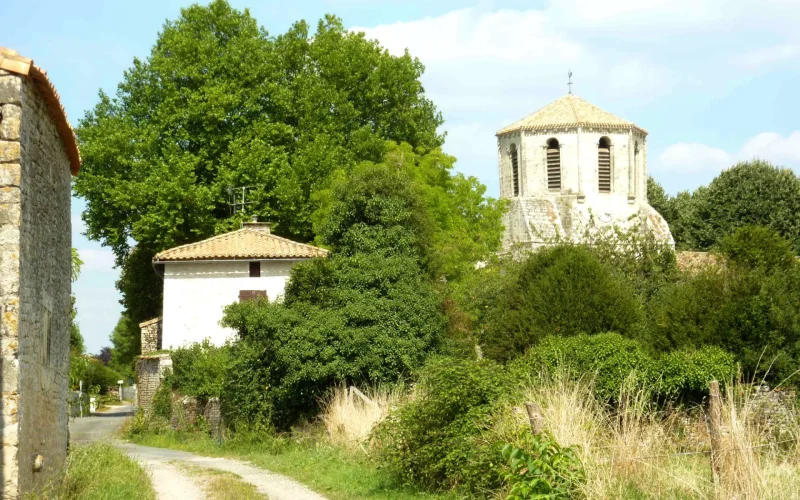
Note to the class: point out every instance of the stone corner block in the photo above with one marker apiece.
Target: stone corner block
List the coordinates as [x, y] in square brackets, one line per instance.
[10, 89]
[10, 120]
[9, 151]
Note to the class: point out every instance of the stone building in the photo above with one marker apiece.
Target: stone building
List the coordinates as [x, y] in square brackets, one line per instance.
[38, 152]
[201, 278]
[570, 168]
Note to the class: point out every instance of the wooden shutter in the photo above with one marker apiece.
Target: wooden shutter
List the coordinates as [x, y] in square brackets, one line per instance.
[554, 169]
[515, 169]
[255, 269]
[245, 295]
[604, 169]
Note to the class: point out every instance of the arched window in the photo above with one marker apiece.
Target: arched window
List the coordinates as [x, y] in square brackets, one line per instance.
[604, 165]
[553, 164]
[515, 168]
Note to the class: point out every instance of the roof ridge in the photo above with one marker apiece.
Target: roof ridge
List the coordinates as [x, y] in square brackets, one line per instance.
[245, 242]
[260, 232]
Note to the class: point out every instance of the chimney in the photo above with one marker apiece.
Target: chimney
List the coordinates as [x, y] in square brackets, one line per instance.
[258, 226]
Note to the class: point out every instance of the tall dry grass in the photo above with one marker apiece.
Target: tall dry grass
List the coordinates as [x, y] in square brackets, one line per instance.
[349, 418]
[629, 450]
[635, 450]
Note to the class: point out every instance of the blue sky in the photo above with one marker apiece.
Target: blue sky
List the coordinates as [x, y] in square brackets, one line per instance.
[713, 81]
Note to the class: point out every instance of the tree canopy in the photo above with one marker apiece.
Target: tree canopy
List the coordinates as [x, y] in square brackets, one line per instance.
[221, 104]
[749, 193]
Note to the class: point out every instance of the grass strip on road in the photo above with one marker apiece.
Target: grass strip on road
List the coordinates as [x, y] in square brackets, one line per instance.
[334, 472]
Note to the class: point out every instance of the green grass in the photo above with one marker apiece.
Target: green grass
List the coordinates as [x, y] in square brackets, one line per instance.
[334, 472]
[221, 485]
[101, 472]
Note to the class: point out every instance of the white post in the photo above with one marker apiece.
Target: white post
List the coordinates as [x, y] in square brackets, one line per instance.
[80, 396]
[120, 390]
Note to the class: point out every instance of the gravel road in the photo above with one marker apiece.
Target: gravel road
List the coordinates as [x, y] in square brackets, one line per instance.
[169, 481]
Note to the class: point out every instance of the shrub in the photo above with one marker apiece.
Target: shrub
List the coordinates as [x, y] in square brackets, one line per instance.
[748, 307]
[162, 401]
[198, 369]
[756, 247]
[564, 290]
[437, 440]
[542, 468]
[688, 372]
[609, 358]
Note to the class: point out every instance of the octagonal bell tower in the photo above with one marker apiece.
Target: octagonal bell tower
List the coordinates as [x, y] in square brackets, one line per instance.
[571, 166]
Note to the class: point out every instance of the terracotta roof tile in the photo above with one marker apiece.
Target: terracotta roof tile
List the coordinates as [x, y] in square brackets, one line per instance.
[253, 241]
[11, 61]
[568, 112]
[695, 262]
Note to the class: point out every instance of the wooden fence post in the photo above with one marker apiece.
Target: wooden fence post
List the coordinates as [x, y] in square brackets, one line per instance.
[534, 417]
[714, 422]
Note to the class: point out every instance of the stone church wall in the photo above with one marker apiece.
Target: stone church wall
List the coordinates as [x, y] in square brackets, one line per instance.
[35, 243]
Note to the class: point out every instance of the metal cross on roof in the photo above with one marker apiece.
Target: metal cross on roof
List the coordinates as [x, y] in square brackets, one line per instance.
[569, 83]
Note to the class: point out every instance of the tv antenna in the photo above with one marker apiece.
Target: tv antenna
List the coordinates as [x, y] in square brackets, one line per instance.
[237, 198]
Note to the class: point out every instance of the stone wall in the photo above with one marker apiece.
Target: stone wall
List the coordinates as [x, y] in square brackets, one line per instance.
[35, 243]
[150, 371]
[151, 335]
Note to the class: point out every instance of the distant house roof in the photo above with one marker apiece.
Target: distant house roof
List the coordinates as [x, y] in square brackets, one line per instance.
[11, 61]
[253, 241]
[567, 112]
[695, 262]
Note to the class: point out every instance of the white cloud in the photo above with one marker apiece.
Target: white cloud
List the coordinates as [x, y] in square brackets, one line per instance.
[767, 56]
[97, 260]
[687, 157]
[694, 158]
[475, 35]
[784, 151]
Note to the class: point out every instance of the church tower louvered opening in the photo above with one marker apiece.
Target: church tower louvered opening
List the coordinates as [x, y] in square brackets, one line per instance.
[604, 165]
[515, 168]
[553, 165]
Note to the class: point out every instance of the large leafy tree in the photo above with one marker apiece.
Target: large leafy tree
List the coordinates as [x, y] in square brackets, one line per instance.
[367, 314]
[220, 104]
[749, 193]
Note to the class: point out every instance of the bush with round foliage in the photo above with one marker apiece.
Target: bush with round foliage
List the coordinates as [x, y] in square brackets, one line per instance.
[607, 358]
[687, 372]
[563, 290]
[436, 440]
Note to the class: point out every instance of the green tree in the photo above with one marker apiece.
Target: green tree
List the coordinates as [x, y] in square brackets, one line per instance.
[750, 193]
[127, 341]
[75, 338]
[218, 104]
[747, 306]
[367, 314]
[563, 290]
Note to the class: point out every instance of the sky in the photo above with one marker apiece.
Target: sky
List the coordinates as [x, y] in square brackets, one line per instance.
[712, 81]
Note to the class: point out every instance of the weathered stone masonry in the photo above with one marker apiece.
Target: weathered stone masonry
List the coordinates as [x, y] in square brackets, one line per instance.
[151, 335]
[35, 243]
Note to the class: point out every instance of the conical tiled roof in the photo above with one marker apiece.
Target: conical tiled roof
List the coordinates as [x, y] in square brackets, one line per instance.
[253, 241]
[569, 111]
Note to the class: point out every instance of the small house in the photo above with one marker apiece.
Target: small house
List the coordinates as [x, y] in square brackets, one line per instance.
[201, 278]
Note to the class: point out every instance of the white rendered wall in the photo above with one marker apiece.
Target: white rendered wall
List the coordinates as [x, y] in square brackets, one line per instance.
[195, 294]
